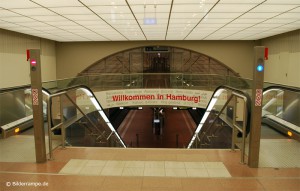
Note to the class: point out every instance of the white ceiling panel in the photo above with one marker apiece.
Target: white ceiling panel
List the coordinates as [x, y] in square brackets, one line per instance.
[123, 23]
[36, 23]
[111, 9]
[7, 25]
[211, 21]
[247, 21]
[268, 25]
[116, 16]
[258, 15]
[13, 4]
[192, 8]
[91, 23]
[44, 28]
[34, 11]
[273, 8]
[281, 21]
[92, 17]
[58, 3]
[62, 23]
[182, 25]
[296, 10]
[286, 2]
[238, 25]
[48, 18]
[71, 27]
[159, 22]
[7, 13]
[288, 16]
[195, 1]
[151, 9]
[106, 20]
[222, 15]
[14, 27]
[157, 15]
[210, 25]
[109, 2]
[148, 2]
[19, 19]
[242, 1]
[71, 10]
[232, 8]
[184, 21]
[187, 15]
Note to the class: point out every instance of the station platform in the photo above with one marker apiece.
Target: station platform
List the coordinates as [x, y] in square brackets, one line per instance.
[80, 168]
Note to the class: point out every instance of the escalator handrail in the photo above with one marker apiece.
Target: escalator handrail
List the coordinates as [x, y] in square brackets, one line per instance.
[11, 89]
[283, 87]
[93, 95]
[248, 105]
[248, 102]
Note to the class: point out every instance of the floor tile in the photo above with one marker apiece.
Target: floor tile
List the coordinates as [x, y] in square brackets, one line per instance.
[122, 184]
[74, 166]
[193, 165]
[154, 164]
[91, 170]
[218, 172]
[154, 172]
[176, 172]
[133, 172]
[157, 183]
[171, 164]
[135, 164]
[214, 165]
[115, 164]
[201, 172]
[96, 163]
[112, 171]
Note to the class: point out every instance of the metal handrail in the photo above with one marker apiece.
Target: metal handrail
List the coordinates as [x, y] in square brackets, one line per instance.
[246, 115]
[61, 124]
[235, 126]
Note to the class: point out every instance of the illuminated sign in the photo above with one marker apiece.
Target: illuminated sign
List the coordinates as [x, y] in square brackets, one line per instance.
[33, 64]
[260, 68]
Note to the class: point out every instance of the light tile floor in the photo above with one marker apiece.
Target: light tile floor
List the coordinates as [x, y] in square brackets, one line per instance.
[145, 168]
[203, 164]
[20, 148]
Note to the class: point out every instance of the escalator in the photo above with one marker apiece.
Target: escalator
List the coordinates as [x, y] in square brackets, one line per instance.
[16, 110]
[281, 110]
[78, 119]
[227, 106]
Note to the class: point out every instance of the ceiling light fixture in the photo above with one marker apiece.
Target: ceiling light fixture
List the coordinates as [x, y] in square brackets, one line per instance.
[150, 20]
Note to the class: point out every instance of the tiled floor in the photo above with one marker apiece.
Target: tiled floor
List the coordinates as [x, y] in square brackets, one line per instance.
[121, 169]
[285, 153]
[20, 148]
[145, 168]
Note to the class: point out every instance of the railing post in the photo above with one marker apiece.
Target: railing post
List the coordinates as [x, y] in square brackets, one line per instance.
[244, 133]
[49, 128]
[63, 130]
[233, 138]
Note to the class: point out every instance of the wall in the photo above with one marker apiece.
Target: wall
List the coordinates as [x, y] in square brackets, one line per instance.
[14, 69]
[283, 65]
[73, 57]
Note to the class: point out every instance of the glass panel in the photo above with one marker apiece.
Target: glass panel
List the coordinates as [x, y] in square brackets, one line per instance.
[85, 122]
